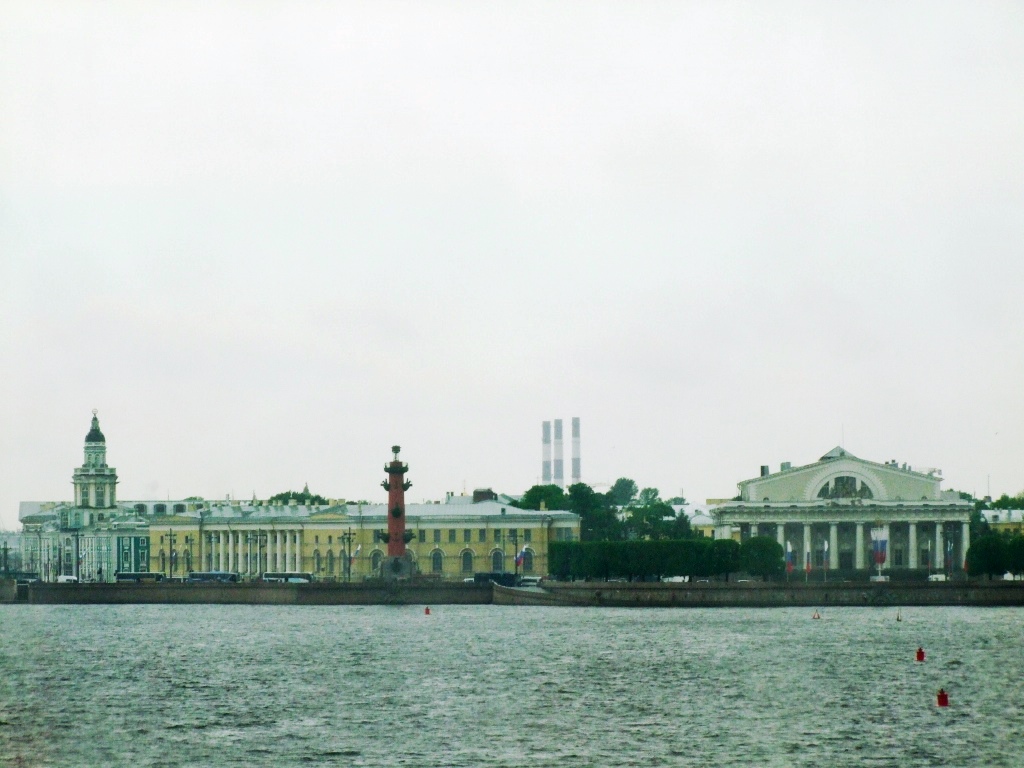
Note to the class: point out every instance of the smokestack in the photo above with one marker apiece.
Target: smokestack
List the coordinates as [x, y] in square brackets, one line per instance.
[576, 450]
[559, 478]
[545, 467]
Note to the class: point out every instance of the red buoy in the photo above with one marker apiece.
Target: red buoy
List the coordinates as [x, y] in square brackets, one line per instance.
[942, 698]
[426, 611]
[920, 654]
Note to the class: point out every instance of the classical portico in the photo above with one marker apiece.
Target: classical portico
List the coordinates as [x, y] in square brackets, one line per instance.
[830, 512]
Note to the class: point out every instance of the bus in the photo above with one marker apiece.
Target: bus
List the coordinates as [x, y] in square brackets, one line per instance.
[208, 577]
[287, 577]
[138, 577]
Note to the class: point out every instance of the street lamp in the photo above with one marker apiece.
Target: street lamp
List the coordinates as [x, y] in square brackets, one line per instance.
[171, 558]
[346, 538]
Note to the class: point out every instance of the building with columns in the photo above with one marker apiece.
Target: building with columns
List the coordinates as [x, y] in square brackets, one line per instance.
[828, 509]
[97, 535]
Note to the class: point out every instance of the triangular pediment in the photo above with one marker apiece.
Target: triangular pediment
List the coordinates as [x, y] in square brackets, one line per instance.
[837, 453]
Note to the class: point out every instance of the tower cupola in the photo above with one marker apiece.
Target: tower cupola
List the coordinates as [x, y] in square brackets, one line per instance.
[95, 483]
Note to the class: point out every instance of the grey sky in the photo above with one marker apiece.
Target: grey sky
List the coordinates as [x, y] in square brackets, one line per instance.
[269, 240]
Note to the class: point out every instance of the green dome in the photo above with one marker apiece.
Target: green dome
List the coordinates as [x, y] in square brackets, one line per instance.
[95, 436]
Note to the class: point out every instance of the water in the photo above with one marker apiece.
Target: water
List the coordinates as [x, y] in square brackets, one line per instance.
[503, 686]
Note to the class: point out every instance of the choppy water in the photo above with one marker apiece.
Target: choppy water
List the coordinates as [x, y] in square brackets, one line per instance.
[500, 686]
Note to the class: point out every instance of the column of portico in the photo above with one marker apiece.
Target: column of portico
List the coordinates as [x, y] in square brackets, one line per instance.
[833, 546]
[940, 552]
[965, 542]
[243, 564]
[859, 544]
[220, 552]
[913, 545]
[298, 550]
[287, 550]
[807, 544]
[780, 535]
[277, 551]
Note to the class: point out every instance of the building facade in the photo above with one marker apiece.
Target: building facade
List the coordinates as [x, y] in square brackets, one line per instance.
[97, 535]
[829, 513]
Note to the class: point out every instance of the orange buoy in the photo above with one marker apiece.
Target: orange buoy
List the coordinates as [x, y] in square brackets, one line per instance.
[920, 654]
[426, 611]
[942, 698]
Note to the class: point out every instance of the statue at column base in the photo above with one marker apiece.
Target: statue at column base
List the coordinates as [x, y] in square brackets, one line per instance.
[396, 568]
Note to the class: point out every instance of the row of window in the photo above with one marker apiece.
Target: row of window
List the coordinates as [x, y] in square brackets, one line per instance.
[499, 534]
[328, 564]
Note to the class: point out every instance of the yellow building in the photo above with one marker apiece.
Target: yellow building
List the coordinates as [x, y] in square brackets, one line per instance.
[451, 540]
[1006, 521]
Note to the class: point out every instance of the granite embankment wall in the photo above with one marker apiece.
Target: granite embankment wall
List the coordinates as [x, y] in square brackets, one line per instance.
[762, 595]
[724, 595]
[257, 593]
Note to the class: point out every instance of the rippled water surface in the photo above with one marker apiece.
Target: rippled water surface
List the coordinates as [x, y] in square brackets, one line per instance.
[500, 686]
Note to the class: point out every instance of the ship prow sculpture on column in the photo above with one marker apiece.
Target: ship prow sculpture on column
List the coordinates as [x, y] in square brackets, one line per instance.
[397, 564]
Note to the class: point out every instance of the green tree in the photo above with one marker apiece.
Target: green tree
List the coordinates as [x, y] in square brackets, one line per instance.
[762, 556]
[1009, 502]
[302, 497]
[552, 496]
[725, 557]
[599, 520]
[1015, 555]
[987, 556]
[647, 497]
[676, 500]
[623, 492]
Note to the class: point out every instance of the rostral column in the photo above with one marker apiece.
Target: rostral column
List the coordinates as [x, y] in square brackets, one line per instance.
[396, 485]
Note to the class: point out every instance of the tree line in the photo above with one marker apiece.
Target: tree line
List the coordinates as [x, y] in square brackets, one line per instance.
[996, 554]
[622, 513]
[658, 559]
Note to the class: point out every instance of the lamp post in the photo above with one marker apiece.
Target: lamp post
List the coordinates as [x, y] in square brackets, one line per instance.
[171, 559]
[514, 535]
[347, 540]
[188, 549]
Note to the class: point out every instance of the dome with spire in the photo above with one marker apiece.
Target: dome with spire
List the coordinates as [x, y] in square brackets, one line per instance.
[95, 436]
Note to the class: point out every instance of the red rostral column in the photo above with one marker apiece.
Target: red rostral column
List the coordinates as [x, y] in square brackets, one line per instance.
[396, 485]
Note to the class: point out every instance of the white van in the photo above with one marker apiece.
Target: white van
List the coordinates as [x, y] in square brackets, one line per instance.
[67, 579]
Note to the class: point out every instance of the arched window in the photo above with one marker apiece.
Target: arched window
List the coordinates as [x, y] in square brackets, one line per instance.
[179, 509]
[436, 561]
[467, 561]
[140, 509]
[163, 560]
[188, 559]
[528, 561]
[160, 509]
[845, 487]
[498, 561]
[330, 561]
[375, 561]
[316, 560]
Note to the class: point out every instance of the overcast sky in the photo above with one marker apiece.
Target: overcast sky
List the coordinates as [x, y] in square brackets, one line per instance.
[269, 240]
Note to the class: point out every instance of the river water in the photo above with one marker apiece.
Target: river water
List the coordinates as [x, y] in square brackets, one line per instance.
[152, 685]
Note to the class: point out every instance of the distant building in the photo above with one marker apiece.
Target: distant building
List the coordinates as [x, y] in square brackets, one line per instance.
[830, 509]
[97, 535]
[1008, 521]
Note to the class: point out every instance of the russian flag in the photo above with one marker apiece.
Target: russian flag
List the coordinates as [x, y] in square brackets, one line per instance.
[789, 557]
[879, 543]
[352, 557]
[807, 557]
[826, 554]
[521, 556]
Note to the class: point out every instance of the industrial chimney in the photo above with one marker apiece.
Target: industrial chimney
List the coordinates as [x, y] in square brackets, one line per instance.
[576, 475]
[545, 467]
[559, 478]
